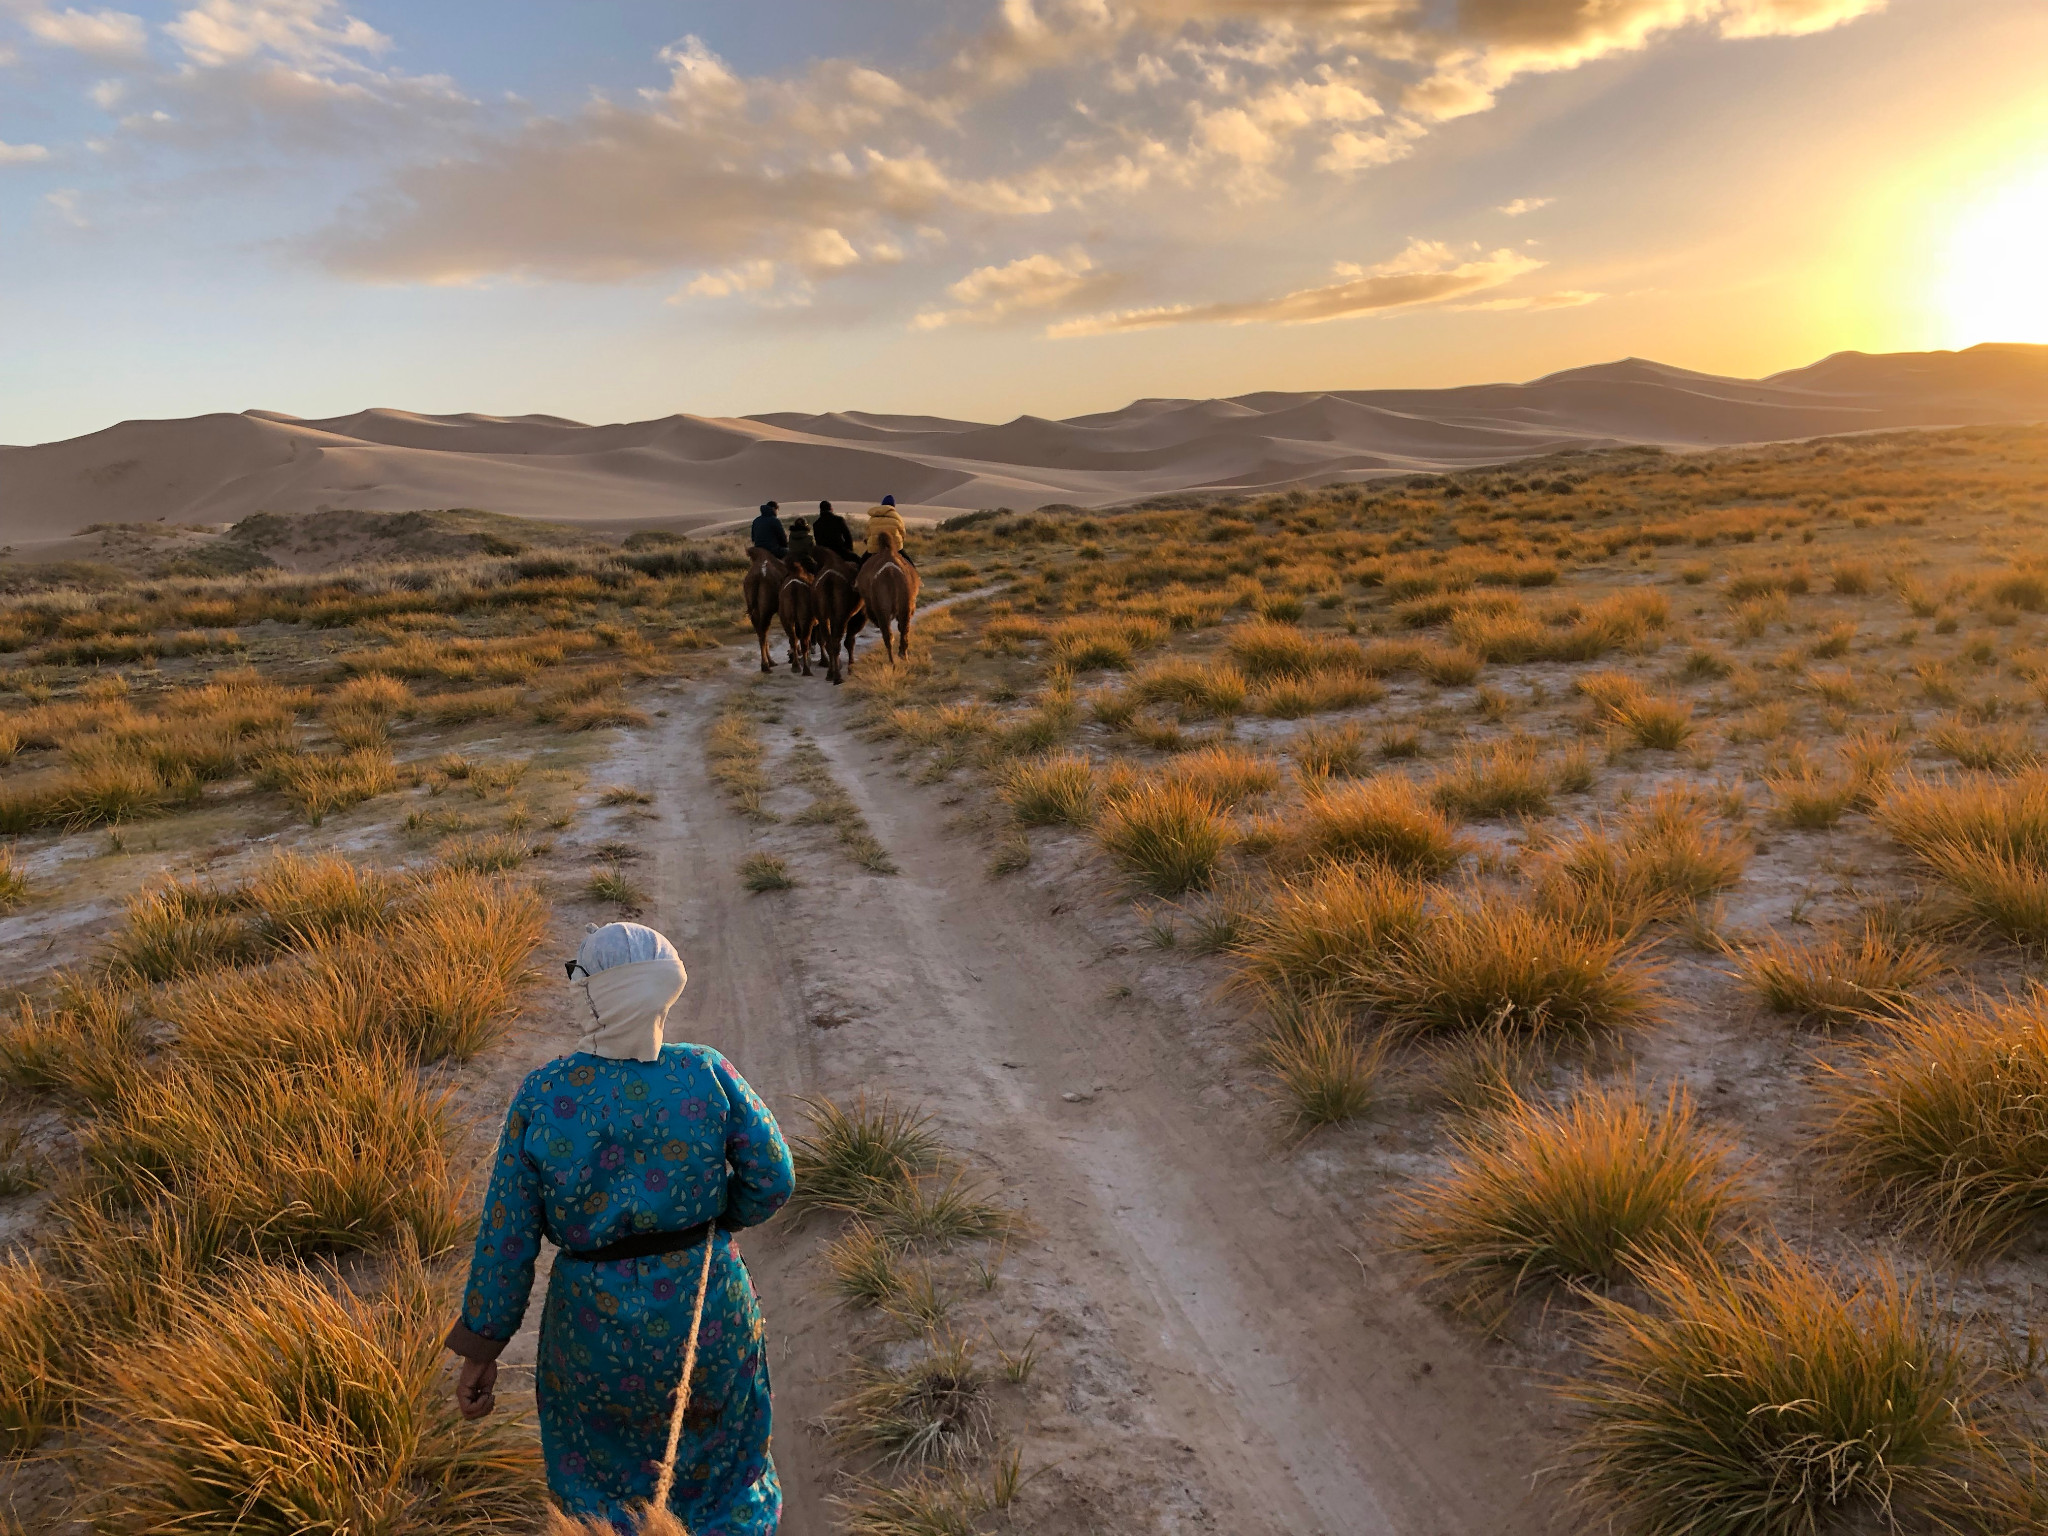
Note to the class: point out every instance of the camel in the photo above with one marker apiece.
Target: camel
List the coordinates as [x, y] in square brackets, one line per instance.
[840, 612]
[888, 588]
[763, 584]
[797, 602]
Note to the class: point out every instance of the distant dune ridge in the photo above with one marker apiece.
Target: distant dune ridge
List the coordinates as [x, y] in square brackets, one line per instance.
[691, 471]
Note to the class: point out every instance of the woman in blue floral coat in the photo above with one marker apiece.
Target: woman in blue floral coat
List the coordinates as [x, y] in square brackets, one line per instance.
[629, 1156]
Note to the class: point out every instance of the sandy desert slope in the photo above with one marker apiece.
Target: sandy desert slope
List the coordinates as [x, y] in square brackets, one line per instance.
[688, 470]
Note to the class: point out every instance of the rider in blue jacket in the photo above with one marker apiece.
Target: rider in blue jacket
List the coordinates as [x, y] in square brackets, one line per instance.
[767, 532]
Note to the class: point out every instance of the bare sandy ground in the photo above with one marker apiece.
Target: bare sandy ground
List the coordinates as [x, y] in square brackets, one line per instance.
[1215, 1357]
[683, 471]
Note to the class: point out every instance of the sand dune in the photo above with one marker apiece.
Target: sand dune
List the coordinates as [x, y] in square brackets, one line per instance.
[698, 471]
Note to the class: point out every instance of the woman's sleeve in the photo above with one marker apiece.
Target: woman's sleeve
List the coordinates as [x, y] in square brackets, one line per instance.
[507, 1244]
[762, 1176]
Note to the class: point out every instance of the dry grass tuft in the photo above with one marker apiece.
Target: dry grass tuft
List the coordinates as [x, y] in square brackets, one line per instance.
[283, 1404]
[1328, 751]
[1644, 718]
[1169, 836]
[1836, 981]
[1581, 1193]
[1506, 779]
[1388, 820]
[1943, 1121]
[852, 1158]
[1324, 934]
[1768, 1399]
[1227, 775]
[1325, 1069]
[935, 1409]
[1051, 791]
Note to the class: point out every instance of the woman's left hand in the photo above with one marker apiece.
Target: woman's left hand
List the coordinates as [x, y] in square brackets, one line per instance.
[476, 1388]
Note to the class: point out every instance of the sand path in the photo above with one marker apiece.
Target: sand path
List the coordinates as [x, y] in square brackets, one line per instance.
[1217, 1358]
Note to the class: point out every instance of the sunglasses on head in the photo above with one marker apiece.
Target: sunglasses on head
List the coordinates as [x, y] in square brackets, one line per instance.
[570, 968]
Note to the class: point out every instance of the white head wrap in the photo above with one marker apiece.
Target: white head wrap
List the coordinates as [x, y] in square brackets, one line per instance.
[632, 977]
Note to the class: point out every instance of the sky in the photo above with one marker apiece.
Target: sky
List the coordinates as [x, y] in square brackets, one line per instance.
[617, 209]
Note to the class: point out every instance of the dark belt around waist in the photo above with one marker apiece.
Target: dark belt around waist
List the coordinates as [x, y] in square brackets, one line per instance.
[642, 1245]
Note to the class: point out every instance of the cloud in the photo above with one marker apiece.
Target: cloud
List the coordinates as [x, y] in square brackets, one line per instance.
[1522, 205]
[21, 154]
[1571, 298]
[1426, 273]
[312, 34]
[105, 34]
[1029, 283]
[69, 204]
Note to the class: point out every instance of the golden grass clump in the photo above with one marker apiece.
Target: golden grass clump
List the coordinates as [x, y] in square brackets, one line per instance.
[1505, 779]
[1323, 933]
[1942, 1121]
[1769, 1398]
[1326, 1070]
[39, 1323]
[1103, 641]
[1487, 960]
[2003, 748]
[1328, 751]
[1228, 775]
[853, 1156]
[284, 1403]
[1263, 651]
[283, 1158]
[1580, 1193]
[936, 1408]
[1644, 718]
[1296, 698]
[1388, 820]
[1169, 836]
[1834, 980]
[1059, 790]
[320, 784]
[1199, 690]
[1640, 867]
[85, 1045]
[1986, 839]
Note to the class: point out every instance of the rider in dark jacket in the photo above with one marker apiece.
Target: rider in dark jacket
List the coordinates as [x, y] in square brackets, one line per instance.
[803, 549]
[767, 532]
[832, 532]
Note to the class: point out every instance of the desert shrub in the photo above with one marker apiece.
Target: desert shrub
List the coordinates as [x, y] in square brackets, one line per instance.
[764, 872]
[1490, 960]
[1582, 1192]
[1640, 867]
[1263, 651]
[1051, 791]
[1770, 1398]
[1388, 820]
[1833, 980]
[1508, 779]
[1199, 690]
[1994, 748]
[1323, 933]
[1227, 775]
[1296, 698]
[321, 784]
[849, 1158]
[1645, 718]
[464, 708]
[1943, 1120]
[1852, 578]
[85, 1044]
[1168, 836]
[39, 1324]
[179, 928]
[935, 1408]
[303, 898]
[284, 1405]
[1328, 751]
[1101, 641]
[283, 1158]
[1809, 799]
[1987, 839]
[1325, 1069]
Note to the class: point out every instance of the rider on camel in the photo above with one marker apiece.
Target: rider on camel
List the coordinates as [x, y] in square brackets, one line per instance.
[885, 531]
[803, 549]
[832, 532]
[767, 531]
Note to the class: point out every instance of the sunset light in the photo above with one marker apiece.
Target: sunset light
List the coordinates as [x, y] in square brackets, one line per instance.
[1995, 286]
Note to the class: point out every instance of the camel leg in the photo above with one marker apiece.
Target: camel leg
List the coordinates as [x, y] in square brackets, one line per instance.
[761, 635]
[903, 636]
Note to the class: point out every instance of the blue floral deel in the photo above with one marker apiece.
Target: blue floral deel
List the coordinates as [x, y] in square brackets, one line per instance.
[595, 1150]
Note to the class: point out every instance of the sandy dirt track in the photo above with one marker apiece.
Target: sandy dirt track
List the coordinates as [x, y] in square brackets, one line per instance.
[1221, 1351]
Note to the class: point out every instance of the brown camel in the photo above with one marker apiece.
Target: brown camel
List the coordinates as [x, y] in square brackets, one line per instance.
[797, 603]
[840, 612]
[765, 575]
[888, 589]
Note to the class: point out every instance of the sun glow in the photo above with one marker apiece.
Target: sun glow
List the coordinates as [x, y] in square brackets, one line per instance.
[1995, 285]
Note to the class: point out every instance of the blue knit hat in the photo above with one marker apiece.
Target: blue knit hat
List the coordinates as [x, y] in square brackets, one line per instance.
[888, 501]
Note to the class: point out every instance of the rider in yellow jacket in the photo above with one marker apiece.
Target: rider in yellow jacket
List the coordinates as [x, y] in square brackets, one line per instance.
[885, 527]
